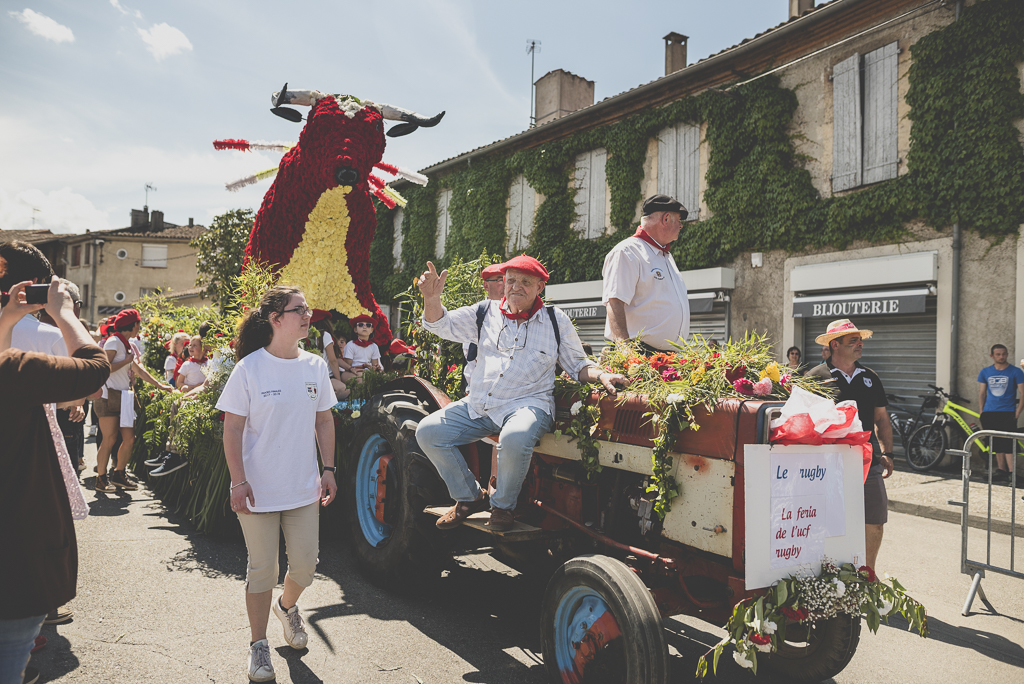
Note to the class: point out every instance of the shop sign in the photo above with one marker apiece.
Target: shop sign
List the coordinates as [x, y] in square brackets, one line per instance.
[580, 312]
[845, 306]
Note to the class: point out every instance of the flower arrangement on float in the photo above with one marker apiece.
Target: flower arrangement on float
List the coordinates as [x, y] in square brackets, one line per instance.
[758, 626]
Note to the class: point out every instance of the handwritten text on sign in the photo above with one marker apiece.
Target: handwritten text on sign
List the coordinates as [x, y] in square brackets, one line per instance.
[807, 506]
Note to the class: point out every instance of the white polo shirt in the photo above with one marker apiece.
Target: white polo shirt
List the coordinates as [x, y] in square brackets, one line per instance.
[650, 285]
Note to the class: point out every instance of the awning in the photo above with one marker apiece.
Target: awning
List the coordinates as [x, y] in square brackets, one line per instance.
[701, 302]
[844, 305]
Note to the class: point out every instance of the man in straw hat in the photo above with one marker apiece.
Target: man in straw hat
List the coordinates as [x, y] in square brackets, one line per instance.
[860, 384]
[511, 392]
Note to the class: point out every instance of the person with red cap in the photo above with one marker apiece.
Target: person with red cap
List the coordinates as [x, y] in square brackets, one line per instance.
[643, 289]
[494, 286]
[361, 353]
[116, 408]
[519, 342]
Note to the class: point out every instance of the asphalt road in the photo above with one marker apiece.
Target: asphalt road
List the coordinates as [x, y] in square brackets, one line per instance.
[158, 602]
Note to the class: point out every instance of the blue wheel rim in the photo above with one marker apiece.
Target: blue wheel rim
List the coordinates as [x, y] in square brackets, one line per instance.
[578, 609]
[374, 531]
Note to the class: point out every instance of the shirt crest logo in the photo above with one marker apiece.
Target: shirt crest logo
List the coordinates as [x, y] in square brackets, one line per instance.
[867, 382]
[311, 390]
[658, 274]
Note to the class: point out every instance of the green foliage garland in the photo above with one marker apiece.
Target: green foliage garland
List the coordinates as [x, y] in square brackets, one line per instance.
[220, 251]
[965, 163]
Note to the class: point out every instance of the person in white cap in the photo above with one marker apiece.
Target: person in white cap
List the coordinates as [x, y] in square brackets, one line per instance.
[859, 383]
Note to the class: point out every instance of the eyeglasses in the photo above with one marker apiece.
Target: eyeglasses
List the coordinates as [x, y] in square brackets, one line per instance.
[364, 325]
[301, 310]
[514, 345]
[494, 280]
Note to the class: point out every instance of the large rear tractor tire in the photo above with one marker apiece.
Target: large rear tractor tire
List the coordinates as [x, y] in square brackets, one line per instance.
[812, 653]
[599, 623]
[388, 484]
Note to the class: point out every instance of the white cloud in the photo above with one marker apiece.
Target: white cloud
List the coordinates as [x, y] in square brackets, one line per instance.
[61, 211]
[44, 26]
[124, 10]
[164, 41]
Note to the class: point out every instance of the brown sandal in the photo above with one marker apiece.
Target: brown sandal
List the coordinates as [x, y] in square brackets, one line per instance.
[458, 513]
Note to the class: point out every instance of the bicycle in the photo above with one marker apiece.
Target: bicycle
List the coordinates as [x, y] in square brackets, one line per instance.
[905, 427]
[928, 443]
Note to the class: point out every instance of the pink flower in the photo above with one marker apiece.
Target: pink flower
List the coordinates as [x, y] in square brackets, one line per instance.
[743, 386]
[669, 374]
[763, 386]
[452, 368]
[786, 379]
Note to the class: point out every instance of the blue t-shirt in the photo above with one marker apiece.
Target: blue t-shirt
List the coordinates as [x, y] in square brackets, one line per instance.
[1002, 387]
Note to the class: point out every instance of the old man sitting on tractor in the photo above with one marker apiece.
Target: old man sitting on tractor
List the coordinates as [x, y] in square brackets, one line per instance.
[511, 390]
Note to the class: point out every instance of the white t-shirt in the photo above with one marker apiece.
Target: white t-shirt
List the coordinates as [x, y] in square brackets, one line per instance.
[31, 335]
[118, 380]
[650, 285]
[193, 372]
[280, 399]
[361, 355]
[170, 363]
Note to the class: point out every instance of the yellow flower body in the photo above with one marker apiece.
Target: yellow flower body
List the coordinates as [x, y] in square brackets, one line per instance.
[771, 371]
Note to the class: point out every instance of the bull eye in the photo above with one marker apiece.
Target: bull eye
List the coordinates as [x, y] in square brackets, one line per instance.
[378, 125]
[346, 175]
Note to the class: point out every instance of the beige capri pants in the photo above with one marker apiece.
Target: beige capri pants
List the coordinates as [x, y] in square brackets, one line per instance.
[262, 532]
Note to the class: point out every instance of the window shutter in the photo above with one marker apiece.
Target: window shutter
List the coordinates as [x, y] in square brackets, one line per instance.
[581, 180]
[396, 250]
[597, 193]
[846, 124]
[154, 256]
[443, 221]
[521, 199]
[667, 157]
[679, 166]
[881, 158]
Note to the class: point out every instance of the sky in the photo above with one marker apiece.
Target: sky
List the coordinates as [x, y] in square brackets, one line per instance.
[106, 96]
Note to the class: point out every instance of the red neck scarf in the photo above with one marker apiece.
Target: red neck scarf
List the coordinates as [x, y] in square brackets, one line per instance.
[177, 368]
[642, 234]
[124, 340]
[362, 343]
[522, 315]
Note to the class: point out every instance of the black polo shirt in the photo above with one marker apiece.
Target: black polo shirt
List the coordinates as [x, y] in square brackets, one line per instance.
[865, 388]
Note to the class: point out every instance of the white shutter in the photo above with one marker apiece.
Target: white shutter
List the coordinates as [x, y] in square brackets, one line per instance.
[154, 256]
[443, 220]
[679, 166]
[591, 192]
[582, 182]
[521, 200]
[398, 217]
[846, 124]
[881, 158]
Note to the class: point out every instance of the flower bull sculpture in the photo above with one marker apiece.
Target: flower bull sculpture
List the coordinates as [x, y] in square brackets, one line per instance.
[317, 220]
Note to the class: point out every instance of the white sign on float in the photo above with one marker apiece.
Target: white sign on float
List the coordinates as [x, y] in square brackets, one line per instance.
[800, 501]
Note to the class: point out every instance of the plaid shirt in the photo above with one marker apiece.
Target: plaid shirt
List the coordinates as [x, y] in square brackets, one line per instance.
[515, 363]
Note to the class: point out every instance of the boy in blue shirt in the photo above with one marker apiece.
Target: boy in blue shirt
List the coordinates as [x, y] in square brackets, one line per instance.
[1000, 400]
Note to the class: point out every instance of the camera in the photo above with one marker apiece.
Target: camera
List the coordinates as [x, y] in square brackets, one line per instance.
[36, 294]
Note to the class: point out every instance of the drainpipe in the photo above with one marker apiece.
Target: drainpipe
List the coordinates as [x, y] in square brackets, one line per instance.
[954, 332]
[96, 246]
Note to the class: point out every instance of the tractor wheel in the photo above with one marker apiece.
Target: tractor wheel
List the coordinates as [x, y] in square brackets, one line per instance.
[387, 483]
[812, 653]
[599, 623]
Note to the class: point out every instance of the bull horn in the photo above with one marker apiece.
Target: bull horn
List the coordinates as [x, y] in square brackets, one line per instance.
[304, 98]
[412, 119]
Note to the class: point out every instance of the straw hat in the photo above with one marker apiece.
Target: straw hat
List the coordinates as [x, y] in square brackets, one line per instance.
[839, 328]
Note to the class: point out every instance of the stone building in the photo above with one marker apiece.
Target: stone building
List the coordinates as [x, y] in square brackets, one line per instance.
[936, 296]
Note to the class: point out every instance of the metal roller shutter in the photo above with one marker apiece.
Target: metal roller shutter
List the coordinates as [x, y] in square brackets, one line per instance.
[711, 325]
[901, 350]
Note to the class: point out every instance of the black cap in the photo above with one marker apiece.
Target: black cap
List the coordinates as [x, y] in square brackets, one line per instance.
[663, 203]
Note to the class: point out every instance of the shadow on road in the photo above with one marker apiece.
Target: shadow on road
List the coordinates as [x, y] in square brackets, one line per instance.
[108, 505]
[986, 643]
[56, 658]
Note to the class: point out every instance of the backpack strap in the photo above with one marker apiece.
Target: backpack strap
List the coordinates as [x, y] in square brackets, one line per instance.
[481, 313]
[554, 324]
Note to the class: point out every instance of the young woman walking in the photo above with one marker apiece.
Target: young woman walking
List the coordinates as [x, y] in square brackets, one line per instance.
[277, 406]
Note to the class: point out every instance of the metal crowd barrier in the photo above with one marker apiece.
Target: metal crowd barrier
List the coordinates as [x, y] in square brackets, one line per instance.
[975, 568]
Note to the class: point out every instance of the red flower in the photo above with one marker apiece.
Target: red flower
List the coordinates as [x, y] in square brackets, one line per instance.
[760, 639]
[872, 577]
[660, 360]
[669, 374]
[735, 373]
[798, 615]
[452, 369]
[217, 335]
[744, 386]
[221, 417]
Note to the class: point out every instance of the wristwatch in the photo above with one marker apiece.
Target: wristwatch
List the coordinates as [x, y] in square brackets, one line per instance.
[332, 469]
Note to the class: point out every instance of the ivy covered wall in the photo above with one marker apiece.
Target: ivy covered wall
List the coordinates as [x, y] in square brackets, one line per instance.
[965, 163]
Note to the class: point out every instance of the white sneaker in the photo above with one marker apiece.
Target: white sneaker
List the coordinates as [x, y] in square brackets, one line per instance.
[260, 667]
[294, 632]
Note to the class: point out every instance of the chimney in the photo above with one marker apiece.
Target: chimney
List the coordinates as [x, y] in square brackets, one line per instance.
[157, 222]
[140, 217]
[675, 52]
[560, 93]
[190, 224]
[798, 7]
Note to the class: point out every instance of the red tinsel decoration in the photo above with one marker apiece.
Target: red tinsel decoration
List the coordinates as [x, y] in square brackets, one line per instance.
[231, 144]
[387, 168]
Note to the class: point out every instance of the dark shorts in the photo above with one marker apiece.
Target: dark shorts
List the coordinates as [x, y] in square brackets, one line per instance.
[876, 501]
[1003, 421]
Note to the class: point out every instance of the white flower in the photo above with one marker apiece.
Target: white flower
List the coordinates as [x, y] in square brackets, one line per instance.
[840, 587]
[885, 608]
[575, 408]
[355, 414]
[768, 627]
[763, 648]
[674, 398]
[741, 660]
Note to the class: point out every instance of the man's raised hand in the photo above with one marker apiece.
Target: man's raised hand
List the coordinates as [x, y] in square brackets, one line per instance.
[430, 283]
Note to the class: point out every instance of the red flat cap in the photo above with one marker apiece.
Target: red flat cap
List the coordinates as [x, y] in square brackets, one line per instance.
[319, 315]
[491, 271]
[526, 264]
[362, 318]
[126, 318]
[400, 347]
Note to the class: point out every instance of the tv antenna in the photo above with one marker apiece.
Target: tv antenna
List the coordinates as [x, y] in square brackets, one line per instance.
[149, 186]
[35, 210]
[532, 48]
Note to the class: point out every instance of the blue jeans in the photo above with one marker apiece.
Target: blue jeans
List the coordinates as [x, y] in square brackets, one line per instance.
[441, 433]
[16, 640]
